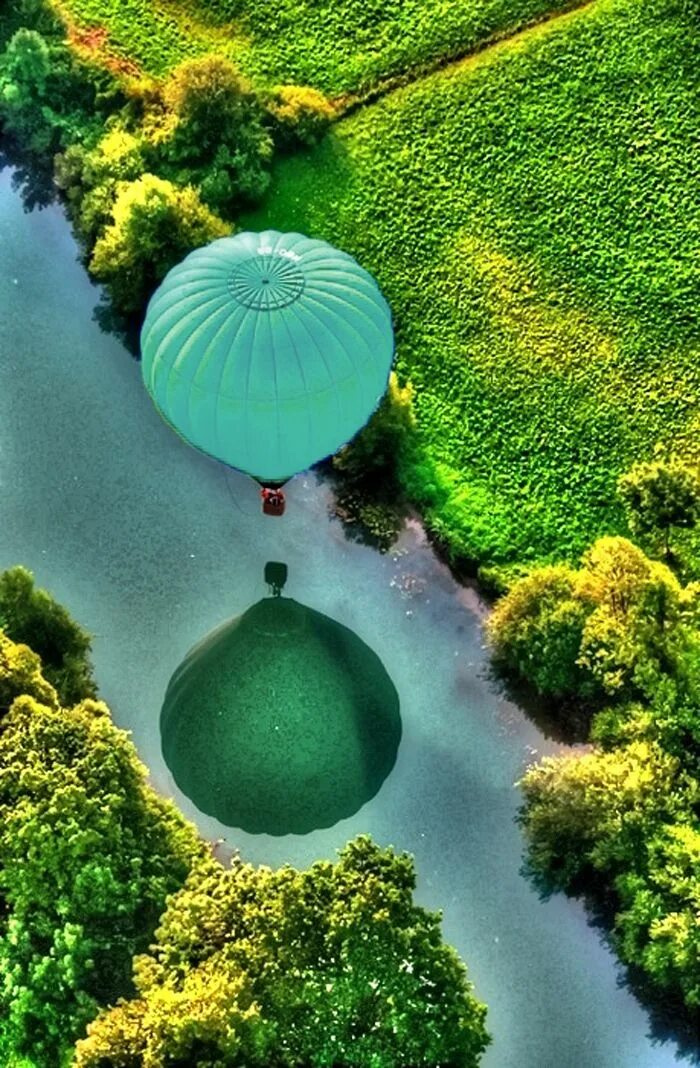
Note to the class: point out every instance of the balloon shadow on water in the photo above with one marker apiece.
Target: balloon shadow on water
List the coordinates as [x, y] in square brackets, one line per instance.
[280, 721]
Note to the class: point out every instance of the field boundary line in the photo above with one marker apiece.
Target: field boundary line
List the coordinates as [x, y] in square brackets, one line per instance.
[481, 51]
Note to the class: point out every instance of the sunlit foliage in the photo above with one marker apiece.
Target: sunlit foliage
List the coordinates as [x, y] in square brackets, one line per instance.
[32, 616]
[88, 855]
[154, 225]
[333, 965]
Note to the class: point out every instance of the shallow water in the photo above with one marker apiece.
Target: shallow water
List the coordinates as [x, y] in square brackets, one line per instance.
[151, 545]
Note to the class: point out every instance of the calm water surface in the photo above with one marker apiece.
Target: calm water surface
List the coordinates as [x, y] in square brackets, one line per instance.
[151, 545]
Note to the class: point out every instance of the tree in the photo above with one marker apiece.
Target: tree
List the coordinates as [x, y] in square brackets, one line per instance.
[90, 177]
[32, 616]
[658, 927]
[24, 77]
[88, 856]
[214, 137]
[537, 628]
[333, 965]
[595, 813]
[659, 496]
[154, 226]
[615, 627]
[629, 640]
[20, 673]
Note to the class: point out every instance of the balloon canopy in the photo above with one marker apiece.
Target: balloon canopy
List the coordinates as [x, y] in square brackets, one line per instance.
[267, 351]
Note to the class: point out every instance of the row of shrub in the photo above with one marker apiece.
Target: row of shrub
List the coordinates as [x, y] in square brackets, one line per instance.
[115, 919]
[619, 637]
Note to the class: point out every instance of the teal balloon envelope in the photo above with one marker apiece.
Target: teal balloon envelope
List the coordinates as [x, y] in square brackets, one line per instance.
[267, 351]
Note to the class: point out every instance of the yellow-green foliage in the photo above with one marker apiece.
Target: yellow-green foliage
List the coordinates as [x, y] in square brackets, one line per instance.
[20, 673]
[613, 627]
[260, 967]
[154, 226]
[337, 47]
[302, 113]
[530, 216]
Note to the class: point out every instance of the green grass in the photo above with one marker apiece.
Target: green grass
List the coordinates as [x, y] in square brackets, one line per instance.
[337, 46]
[532, 215]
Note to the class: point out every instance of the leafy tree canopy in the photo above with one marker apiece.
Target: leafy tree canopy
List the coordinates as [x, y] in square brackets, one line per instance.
[32, 616]
[88, 855]
[154, 225]
[330, 966]
[615, 627]
[659, 496]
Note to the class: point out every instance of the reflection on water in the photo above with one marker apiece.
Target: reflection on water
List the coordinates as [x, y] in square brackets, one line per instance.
[282, 720]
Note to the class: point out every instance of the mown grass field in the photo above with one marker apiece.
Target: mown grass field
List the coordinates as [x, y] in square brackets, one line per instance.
[533, 216]
[337, 46]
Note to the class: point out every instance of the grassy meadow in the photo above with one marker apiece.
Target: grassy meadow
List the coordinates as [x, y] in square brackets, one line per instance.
[531, 214]
[337, 46]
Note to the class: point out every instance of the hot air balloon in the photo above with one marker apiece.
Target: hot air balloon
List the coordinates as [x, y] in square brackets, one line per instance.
[268, 352]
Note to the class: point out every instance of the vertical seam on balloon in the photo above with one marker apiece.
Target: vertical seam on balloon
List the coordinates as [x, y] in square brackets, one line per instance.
[309, 423]
[220, 330]
[246, 420]
[365, 342]
[337, 395]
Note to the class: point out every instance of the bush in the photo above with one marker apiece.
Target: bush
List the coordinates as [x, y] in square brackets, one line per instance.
[659, 496]
[537, 628]
[33, 617]
[90, 177]
[218, 139]
[20, 673]
[375, 454]
[616, 627]
[154, 226]
[301, 114]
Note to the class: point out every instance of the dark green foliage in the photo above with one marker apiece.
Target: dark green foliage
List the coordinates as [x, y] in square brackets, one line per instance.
[31, 616]
[659, 496]
[88, 855]
[48, 97]
[333, 965]
[215, 137]
[374, 457]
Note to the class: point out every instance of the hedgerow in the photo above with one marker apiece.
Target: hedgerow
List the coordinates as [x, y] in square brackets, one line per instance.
[338, 47]
[532, 218]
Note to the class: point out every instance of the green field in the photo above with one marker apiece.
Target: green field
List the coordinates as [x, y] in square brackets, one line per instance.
[337, 46]
[532, 216]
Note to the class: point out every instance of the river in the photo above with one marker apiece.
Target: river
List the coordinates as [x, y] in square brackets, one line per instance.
[150, 545]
